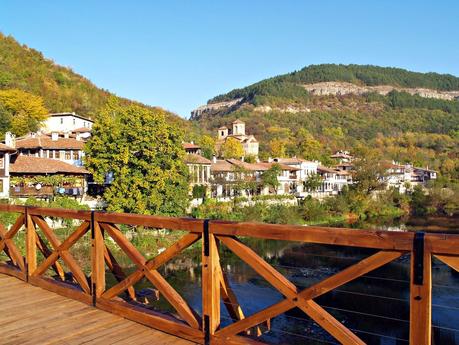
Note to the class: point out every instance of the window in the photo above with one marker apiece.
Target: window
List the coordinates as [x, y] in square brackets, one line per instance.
[2, 162]
[62, 120]
[75, 155]
[1, 185]
[57, 154]
[74, 122]
[68, 155]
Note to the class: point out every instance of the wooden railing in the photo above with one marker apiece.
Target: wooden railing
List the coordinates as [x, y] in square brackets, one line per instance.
[206, 328]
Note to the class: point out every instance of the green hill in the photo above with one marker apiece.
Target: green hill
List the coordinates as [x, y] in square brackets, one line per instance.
[289, 119]
[61, 88]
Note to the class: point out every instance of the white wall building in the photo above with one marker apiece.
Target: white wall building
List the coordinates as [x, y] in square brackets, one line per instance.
[66, 122]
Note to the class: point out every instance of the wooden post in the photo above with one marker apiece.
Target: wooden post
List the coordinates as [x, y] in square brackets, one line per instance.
[210, 284]
[98, 260]
[421, 293]
[31, 244]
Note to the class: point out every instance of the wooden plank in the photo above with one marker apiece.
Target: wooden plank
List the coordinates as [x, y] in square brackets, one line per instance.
[329, 323]
[421, 303]
[313, 234]
[59, 212]
[42, 246]
[282, 284]
[187, 224]
[229, 298]
[98, 260]
[61, 289]
[64, 254]
[350, 273]
[152, 264]
[117, 271]
[443, 244]
[152, 319]
[12, 208]
[255, 319]
[31, 247]
[69, 242]
[172, 296]
[211, 284]
[451, 261]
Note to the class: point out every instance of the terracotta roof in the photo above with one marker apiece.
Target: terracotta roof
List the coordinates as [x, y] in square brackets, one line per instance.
[37, 165]
[293, 160]
[232, 164]
[81, 130]
[222, 166]
[326, 170]
[190, 146]
[223, 127]
[196, 159]
[238, 121]
[45, 142]
[6, 148]
[71, 114]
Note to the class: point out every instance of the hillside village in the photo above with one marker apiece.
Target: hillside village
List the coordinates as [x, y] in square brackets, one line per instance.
[50, 163]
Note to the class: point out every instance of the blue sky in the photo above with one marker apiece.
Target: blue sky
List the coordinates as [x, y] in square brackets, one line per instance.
[178, 54]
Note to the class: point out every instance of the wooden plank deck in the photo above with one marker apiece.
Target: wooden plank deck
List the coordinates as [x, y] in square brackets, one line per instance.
[31, 315]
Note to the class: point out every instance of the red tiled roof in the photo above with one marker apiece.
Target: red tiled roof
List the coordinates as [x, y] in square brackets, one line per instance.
[82, 130]
[6, 148]
[196, 159]
[45, 142]
[37, 165]
[190, 146]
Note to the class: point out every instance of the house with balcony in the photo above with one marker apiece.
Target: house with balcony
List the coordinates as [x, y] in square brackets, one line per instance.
[232, 177]
[59, 146]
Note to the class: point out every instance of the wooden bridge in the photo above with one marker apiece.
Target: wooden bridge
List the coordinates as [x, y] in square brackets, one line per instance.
[38, 256]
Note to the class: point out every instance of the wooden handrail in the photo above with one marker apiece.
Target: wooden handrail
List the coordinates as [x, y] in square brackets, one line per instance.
[206, 328]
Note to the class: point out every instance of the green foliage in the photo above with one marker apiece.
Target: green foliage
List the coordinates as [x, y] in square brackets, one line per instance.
[207, 144]
[232, 148]
[20, 112]
[288, 85]
[46, 180]
[199, 191]
[145, 155]
[269, 178]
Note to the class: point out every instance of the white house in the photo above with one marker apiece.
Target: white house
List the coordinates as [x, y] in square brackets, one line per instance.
[66, 122]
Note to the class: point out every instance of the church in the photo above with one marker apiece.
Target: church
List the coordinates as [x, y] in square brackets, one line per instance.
[249, 143]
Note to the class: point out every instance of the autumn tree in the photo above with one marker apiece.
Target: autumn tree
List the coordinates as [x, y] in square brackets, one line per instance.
[145, 155]
[21, 112]
[278, 147]
[207, 144]
[269, 178]
[232, 148]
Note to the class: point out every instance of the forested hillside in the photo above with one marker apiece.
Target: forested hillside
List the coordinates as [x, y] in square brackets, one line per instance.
[288, 120]
[26, 69]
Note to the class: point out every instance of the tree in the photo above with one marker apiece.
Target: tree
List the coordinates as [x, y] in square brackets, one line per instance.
[232, 148]
[313, 182]
[369, 174]
[309, 147]
[277, 147]
[21, 111]
[269, 177]
[145, 154]
[207, 144]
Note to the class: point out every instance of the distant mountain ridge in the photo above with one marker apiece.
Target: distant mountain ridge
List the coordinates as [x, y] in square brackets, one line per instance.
[309, 113]
[368, 75]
